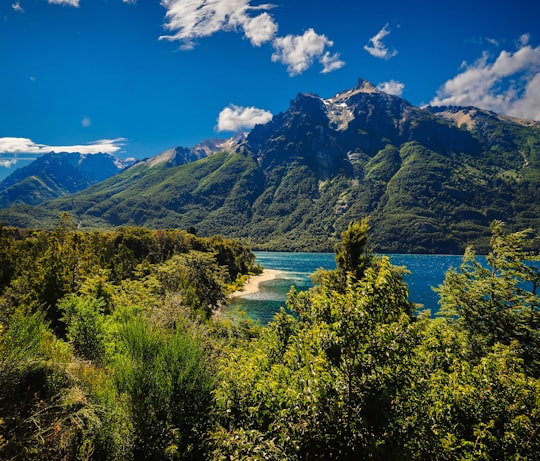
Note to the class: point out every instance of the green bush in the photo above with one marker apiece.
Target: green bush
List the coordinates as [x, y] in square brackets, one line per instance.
[168, 384]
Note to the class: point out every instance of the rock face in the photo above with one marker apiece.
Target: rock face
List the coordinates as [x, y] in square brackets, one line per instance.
[431, 179]
[324, 132]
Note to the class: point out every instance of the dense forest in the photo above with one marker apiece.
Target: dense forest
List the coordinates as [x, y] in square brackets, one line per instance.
[118, 345]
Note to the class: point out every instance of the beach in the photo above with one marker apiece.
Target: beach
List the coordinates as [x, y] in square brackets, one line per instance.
[252, 285]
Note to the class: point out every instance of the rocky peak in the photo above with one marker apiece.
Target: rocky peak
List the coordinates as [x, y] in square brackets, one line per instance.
[473, 117]
[181, 155]
[362, 87]
[319, 132]
[305, 103]
[366, 86]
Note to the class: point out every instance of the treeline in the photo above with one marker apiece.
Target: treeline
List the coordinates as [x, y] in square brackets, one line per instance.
[113, 346]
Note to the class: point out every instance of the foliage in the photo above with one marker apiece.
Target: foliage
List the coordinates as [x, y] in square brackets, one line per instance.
[453, 408]
[352, 256]
[167, 384]
[497, 302]
[315, 385]
[48, 265]
[45, 414]
[134, 363]
[85, 326]
[352, 375]
[101, 339]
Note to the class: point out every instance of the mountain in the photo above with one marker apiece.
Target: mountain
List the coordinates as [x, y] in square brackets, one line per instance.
[431, 179]
[182, 155]
[57, 174]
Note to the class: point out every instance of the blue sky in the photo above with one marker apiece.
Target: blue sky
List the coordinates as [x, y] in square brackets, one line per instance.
[136, 77]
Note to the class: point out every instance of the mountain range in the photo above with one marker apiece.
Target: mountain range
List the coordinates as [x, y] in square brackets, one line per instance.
[57, 174]
[431, 179]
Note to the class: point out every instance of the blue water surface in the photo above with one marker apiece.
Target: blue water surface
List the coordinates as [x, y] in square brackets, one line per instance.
[426, 272]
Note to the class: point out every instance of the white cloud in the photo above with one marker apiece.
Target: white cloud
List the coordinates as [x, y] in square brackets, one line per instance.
[189, 20]
[27, 146]
[11, 162]
[234, 118]
[492, 41]
[377, 47]
[330, 62]
[17, 7]
[260, 29]
[298, 52]
[510, 84]
[392, 87]
[528, 105]
[74, 3]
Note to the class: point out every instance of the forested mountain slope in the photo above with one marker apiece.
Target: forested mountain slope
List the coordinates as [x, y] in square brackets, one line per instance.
[57, 174]
[432, 179]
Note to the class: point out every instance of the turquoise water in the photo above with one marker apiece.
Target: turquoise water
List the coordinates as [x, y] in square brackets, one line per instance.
[426, 272]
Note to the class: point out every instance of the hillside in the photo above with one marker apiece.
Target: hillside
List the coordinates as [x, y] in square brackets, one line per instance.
[432, 179]
[57, 174]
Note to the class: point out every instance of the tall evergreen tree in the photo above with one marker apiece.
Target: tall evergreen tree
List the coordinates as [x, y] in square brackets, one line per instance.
[497, 301]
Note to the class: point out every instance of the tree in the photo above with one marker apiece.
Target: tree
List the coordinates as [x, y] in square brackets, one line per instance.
[85, 326]
[320, 384]
[453, 408]
[496, 301]
[7, 257]
[352, 255]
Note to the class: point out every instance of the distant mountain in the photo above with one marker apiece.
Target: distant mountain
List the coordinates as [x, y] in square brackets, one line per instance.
[182, 155]
[57, 174]
[432, 179]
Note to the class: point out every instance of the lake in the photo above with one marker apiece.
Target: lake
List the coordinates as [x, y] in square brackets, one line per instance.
[426, 272]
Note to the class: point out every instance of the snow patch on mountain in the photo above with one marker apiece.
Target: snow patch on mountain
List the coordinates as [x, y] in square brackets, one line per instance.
[339, 114]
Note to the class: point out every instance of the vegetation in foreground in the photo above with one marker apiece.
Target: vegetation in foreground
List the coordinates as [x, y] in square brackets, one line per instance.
[110, 349]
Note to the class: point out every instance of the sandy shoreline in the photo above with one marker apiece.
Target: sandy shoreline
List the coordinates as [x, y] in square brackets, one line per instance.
[252, 285]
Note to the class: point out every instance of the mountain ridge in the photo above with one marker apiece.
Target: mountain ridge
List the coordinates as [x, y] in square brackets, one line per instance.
[57, 174]
[432, 179]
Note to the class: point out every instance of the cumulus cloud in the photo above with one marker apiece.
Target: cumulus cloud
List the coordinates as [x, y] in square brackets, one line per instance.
[298, 52]
[27, 146]
[189, 20]
[392, 87]
[234, 118]
[377, 48]
[74, 3]
[509, 84]
[260, 29]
